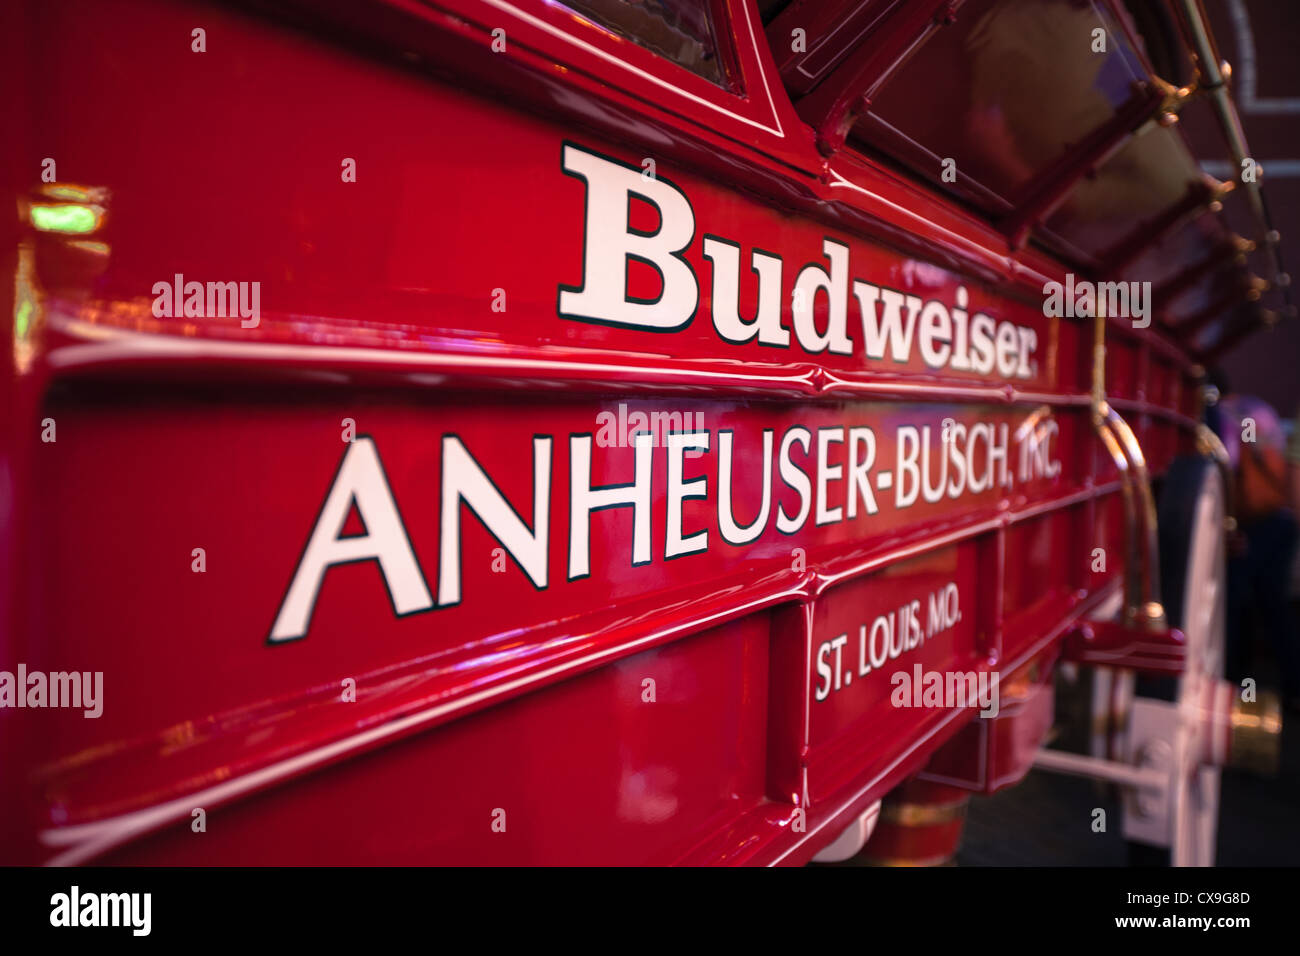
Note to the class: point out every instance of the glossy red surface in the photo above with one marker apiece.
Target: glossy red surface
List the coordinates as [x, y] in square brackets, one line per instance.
[377, 306]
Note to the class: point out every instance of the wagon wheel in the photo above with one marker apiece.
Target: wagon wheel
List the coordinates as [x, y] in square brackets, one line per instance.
[1202, 618]
[1184, 735]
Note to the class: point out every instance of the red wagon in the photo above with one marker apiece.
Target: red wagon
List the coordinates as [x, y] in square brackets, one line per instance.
[512, 431]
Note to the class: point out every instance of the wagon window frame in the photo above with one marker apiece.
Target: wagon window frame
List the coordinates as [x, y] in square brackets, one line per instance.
[629, 21]
[745, 110]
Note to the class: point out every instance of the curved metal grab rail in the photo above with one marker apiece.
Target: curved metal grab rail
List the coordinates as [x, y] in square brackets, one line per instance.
[1142, 605]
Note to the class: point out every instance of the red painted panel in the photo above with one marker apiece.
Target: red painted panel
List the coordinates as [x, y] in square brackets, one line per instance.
[246, 482]
[587, 771]
[423, 278]
[1123, 377]
[1039, 546]
[875, 640]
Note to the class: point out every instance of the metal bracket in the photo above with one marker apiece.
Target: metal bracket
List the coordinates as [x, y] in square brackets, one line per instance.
[1115, 644]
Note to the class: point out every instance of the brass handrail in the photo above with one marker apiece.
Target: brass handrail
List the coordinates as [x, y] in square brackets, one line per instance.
[1142, 605]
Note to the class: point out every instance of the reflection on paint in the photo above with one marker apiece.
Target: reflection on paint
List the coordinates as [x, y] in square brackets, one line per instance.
[27, 308]
[74, 218]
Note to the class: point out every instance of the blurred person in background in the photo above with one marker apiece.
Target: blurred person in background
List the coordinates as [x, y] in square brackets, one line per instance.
[1265, 493]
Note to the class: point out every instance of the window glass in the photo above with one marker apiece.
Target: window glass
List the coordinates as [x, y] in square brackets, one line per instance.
[1004, 91]
[679, 30]
[1151, 172]
[1190, 242]
[768, 9]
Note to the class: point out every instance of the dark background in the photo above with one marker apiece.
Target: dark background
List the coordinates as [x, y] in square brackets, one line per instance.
[1258, 37]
